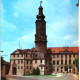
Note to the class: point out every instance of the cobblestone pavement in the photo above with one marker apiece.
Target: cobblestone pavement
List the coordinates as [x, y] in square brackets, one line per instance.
[63, 77]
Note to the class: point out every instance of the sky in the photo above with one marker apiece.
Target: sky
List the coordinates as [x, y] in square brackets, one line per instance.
[18, 24]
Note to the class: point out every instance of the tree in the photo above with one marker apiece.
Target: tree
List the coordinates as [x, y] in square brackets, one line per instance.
[77, 63]
[50, 67]
[36, 71]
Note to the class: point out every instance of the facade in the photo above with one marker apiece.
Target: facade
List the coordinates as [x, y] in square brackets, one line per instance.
[22, 62]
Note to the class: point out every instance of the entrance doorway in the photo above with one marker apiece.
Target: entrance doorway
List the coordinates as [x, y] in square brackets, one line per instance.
[66, 69]
[14, 70]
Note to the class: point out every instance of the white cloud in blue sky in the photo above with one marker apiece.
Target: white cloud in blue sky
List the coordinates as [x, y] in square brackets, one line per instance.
[18, 23]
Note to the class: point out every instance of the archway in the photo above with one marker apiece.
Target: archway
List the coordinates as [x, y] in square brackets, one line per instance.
[14, 70]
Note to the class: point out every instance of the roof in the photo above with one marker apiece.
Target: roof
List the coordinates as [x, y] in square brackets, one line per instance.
[62, 49]
[5, 63]
[49, 50]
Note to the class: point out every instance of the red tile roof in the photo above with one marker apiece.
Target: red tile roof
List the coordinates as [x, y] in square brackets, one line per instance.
[62, 49]
[5, 63]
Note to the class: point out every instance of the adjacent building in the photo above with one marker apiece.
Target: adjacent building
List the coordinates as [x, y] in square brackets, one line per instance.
[48, 60]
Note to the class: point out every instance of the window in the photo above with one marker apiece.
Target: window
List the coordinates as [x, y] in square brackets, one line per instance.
[18, 55]
[73, 62]
[57, 56]
[61, 56]
[69, 61]
[21, 61]
[18, 61]
[57, 69]
[41, 61]
[27, 67]
[46, 61]
[14, 55]
[30, 55]
[69, 70]
[30, 67]
[66, 62]
[27, 61]
[14, 61]
[61, 61]
[53, 56]
[35, 61]
[18, 67]
[21, 55]
[61, 71]
[46, 67]
[57, 62]
[61, 67]
[53, 62]
[73, 55]
[41, 67]
[65, 56]
[26, 55]
[69, 67]
[21, 67]
[70, 56]
[30, 62]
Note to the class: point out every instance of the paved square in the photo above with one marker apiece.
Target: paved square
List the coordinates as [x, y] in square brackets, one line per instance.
[62, 77]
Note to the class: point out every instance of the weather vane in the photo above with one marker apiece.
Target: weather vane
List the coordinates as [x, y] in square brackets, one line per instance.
[40, 3]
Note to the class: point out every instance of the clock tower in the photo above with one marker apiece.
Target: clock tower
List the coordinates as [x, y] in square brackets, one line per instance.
[40, 36]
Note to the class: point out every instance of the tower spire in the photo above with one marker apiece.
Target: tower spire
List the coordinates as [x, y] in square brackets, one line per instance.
[40, 3]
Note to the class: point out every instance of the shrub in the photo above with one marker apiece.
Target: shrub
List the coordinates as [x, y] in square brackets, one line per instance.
[36, 71]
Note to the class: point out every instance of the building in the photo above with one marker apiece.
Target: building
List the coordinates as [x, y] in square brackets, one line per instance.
[5, 68]
[48, 60]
